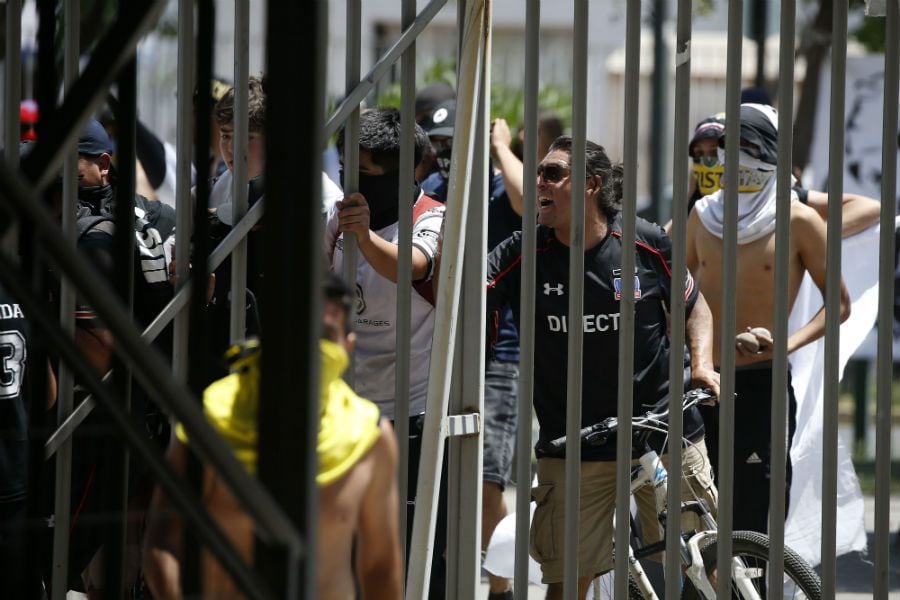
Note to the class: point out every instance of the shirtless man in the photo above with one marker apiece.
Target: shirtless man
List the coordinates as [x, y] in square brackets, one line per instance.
[755, 303]
[358, 500]
[858, 213]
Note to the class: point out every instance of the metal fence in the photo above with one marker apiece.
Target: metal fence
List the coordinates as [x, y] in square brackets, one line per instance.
[283, 499]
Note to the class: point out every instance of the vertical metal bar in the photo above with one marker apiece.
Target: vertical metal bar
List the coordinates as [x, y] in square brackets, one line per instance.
[831, 364]
[292, 244]
[123, 242]
[404, 265]
[32, 262]
[778, 442]
[677, 302]
[64, 403]
[887, 254]
[184, 127]
[659, 113]
[12, 96]
[626, 306]
[526, 319]
[450, 278]
[350, 158]
[729, 285]
[198, 323]
[238, 319]
[574, 381]
[465, 472]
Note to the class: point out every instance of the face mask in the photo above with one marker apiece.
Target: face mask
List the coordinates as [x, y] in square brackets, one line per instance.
[753, 173]
[382, 192]
[708, 171]
[443, 162]
[443, 150]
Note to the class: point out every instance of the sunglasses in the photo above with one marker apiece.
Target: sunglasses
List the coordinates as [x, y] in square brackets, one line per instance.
[553, 172]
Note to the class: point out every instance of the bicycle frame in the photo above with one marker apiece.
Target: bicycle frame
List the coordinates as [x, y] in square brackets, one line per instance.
[651, 472]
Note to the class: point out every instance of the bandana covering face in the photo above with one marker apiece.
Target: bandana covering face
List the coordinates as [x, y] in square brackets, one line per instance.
[756, 202]
[709, 174]
[348, 425]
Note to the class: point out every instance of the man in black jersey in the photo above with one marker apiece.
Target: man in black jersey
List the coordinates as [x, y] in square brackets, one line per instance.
[602, 280]
[20, 576]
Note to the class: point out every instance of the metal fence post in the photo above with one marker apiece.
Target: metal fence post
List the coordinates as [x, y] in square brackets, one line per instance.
[627, 304]
[574, 381]
[677, 301]
[404, 268]
[450, 276]
[65, 388]
[526, 320]
[729, 285]
[887, 255]
[289, 424]
[832, 298]
[12, 96]
[239, 191]
[464, 483]
[779, 415]
[185, 148]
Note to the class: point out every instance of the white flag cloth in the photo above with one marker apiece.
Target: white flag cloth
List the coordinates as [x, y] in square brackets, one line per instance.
[804, 524]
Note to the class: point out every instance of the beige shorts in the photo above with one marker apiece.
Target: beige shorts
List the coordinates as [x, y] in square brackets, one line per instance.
[598, 505]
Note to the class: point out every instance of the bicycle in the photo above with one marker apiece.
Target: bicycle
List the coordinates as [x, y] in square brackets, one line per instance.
[750, 549]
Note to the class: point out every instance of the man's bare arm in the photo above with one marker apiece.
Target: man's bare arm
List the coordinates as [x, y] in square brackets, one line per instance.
[699, 333]
[809, 232]
[51, 386]
[858, 212]
[693, 261]
[507, 163]
[380, 253]
[164, 538]
[378, 554]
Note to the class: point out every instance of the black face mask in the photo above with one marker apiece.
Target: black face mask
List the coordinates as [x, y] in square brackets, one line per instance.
[442, 161]
[382, 193]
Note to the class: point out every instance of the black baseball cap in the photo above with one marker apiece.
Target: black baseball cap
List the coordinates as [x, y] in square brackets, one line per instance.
[709, 128]
[93, 140]
[432, 95]
[440, 122]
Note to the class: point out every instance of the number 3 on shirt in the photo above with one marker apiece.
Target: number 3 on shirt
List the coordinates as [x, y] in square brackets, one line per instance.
[12, 363]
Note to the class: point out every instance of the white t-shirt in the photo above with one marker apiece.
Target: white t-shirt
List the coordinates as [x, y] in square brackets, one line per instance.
[376, 314]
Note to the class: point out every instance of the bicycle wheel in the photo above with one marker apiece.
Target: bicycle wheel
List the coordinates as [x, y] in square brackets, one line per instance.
[603, 588]
[800, 581]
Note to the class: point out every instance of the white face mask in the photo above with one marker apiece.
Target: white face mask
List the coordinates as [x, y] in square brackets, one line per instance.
[753, 173]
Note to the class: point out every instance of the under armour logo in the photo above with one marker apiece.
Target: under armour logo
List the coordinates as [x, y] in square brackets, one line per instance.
[558, 290]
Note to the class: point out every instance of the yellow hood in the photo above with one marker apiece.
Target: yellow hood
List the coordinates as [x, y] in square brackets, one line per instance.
[348, 426]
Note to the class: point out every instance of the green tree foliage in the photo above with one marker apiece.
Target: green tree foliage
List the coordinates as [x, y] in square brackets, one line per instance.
[507, 102]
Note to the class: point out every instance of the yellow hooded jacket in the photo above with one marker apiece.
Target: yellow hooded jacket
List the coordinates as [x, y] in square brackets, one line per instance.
[348, 426]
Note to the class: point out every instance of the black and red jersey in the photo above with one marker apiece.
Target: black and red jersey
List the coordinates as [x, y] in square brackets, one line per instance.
[601, 324]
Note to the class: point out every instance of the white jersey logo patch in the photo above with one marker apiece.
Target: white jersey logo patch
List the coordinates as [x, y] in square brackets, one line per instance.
[754, 459]
[558, 289]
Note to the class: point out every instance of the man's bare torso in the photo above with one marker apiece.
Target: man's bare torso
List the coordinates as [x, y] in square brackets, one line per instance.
[339, 515]
[339, 512]
[755, 282]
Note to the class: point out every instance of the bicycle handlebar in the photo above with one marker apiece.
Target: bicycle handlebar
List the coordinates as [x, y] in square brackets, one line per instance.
[599, 433]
